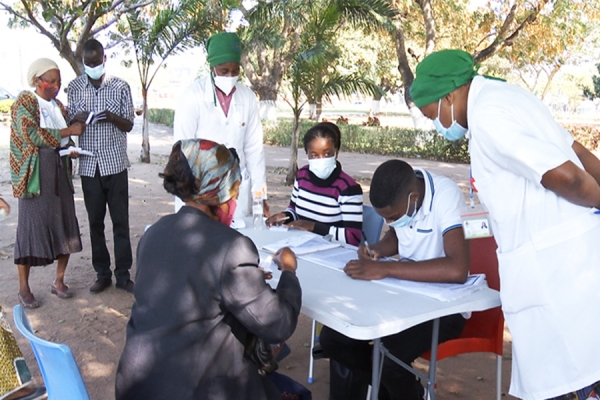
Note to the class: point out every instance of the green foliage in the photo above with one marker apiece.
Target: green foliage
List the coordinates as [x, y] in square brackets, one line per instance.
[5, 106]
[587, 135]
[593, 93]
[69, 24]
[162, 116]
[399, 142]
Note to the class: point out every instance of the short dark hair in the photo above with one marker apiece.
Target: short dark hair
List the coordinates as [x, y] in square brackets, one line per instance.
[390, 181]
[326, 130]
[93, 45]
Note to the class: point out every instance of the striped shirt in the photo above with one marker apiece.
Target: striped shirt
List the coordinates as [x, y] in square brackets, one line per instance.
[105, 140]
[334, 204]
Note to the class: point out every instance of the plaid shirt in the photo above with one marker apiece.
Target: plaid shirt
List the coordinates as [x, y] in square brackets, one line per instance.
[105, 140]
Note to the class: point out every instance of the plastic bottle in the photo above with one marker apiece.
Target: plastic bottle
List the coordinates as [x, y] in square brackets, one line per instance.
[257, 210]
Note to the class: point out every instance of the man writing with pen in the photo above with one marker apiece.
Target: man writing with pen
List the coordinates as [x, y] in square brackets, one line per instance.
[423, 213]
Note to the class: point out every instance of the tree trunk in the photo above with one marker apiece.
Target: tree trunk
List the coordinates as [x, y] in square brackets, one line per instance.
[267, 110]
[375, 105]
[551, 76]
[293, 168]
[312, 112]
[318, 111]
[145, 156]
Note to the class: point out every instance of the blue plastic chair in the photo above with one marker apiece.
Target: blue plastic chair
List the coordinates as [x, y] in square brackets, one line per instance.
[57, 364]
[372, 226]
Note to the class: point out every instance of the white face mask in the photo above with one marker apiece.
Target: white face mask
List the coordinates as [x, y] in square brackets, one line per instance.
[94, 73]
[322, 167]
[225, 83]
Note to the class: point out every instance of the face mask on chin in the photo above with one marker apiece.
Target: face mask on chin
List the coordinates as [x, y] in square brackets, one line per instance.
[455, 131]
[95, 73]
[322, 167]
[225, 83]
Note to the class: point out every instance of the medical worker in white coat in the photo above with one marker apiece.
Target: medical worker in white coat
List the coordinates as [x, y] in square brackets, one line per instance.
[542, 189]
[220, 108]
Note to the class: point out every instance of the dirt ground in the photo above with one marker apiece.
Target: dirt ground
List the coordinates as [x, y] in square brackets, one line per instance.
[94, 325]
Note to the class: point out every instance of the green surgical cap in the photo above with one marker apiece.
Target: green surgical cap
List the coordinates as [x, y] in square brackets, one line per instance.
[223, 47]
[441, 73]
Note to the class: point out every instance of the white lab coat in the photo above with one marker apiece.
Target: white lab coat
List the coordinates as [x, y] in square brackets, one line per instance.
[548, 248]
[197, 116]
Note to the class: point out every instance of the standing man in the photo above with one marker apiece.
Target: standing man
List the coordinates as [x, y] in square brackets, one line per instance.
[104, 175]
[542, 189]
[220, 108]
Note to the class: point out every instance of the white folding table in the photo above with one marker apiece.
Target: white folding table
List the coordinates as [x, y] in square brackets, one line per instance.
[367, 310]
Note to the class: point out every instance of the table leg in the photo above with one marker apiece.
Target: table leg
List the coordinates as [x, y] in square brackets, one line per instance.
[312, 346]
[376, 374]
[433, 361]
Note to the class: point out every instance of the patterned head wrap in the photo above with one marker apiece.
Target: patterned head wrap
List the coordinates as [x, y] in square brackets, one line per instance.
[38, 68]
[439, 74]
[223, 47]
[215, 168]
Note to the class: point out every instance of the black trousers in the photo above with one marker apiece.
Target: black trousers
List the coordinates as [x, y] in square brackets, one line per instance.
[396, 382]
[98, 192]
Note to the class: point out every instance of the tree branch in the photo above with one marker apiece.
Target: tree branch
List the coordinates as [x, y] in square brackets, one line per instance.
[38, 25]
[429, 22]
[500, 41]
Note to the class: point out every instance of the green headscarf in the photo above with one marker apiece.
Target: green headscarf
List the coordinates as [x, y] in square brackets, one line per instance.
[223, 47]
[440, 73]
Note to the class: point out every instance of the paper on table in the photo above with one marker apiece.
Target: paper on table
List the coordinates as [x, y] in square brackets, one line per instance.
[302, 244]
[78, 150]
[278, 228]
[440, 291]
[336, 258]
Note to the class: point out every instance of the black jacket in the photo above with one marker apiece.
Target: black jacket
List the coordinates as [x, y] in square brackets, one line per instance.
[198, 293]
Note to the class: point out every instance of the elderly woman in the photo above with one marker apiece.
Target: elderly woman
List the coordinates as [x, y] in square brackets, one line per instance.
[199, 293]
[47, 227]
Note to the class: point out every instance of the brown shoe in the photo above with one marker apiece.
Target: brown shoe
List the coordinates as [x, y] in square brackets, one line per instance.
[63, 294]
[127, 286]
[27, 300]
[100, 285]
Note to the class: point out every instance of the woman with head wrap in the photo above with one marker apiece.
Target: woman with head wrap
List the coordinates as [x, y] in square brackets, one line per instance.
[219, 107]
[199, 293]
[47, 227]
[542, 189]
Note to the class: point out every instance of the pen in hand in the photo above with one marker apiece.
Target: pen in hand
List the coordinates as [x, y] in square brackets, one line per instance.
[367, 244]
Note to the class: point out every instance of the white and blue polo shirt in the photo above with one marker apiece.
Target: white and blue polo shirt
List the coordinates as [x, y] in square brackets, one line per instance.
[423, 238]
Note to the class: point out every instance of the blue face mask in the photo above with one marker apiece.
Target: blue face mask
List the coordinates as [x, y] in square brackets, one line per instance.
[455, 131]
[405, 219]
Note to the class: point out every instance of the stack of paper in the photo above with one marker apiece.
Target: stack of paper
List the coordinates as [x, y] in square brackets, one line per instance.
[78, 150]
[440, 291]
[302, 244]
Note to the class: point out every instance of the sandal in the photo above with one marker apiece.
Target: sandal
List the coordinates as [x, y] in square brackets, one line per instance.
[62, 294]
[27, 300]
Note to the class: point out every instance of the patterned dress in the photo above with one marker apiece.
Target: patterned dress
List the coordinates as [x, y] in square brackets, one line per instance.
[48, 226]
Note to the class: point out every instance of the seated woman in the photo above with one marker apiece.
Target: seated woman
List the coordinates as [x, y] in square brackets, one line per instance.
[199, 294]
[325, 200]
